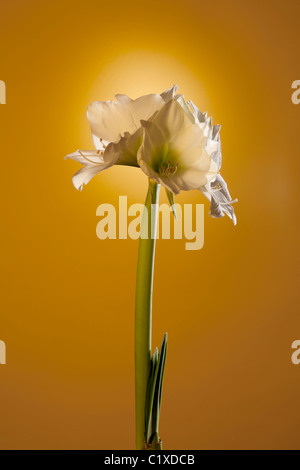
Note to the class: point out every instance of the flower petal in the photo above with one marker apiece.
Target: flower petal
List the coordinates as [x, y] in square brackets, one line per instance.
[212, 146]
[196, 167]
[181, 100]
[171, 119]
[169, 94]
[198, 175]
[153, 140]
[110, 120]
[189, 142]
[125, 151]
[202, 117]
[143, 107]
[93, 163]
[217, 155]
[85, 174]
[221, 202]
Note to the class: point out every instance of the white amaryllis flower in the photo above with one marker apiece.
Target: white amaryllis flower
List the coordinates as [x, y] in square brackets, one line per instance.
[171, 140]
[181, 150]
[117, 133]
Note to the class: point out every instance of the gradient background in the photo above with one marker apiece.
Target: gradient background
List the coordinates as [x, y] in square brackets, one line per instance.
[67, 299]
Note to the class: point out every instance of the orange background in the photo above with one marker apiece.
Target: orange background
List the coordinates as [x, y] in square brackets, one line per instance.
[67, 298]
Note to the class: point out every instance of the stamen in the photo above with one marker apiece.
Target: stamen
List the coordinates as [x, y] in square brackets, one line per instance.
[169, 169]
[86, 158]
[104, 146]
[175, 168]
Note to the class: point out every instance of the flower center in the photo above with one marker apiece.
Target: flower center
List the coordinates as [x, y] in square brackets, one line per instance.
[169, 169]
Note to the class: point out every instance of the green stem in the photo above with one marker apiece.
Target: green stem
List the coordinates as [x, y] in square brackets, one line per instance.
[143, 308]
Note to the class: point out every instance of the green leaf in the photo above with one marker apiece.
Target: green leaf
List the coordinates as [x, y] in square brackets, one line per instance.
[162, 365]
[170, 196]
[159, 385]
[154, 392]
[150, 391]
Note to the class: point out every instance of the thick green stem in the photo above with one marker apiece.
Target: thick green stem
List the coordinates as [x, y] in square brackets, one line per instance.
[143, 308]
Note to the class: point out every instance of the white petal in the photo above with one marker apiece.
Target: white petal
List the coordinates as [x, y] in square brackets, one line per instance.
[85, 174]
[169, 94]
[180, 99]
[93, 163]
[153, 141]
[221, 202]
[212, 146]
[217, 155]
[145, 107]
[142, 108]
[189, 143]
[171, 119]
[216, 132]
[196, 167]
[110, 120]
[198, 175]
[202, 117]
[125, 151]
